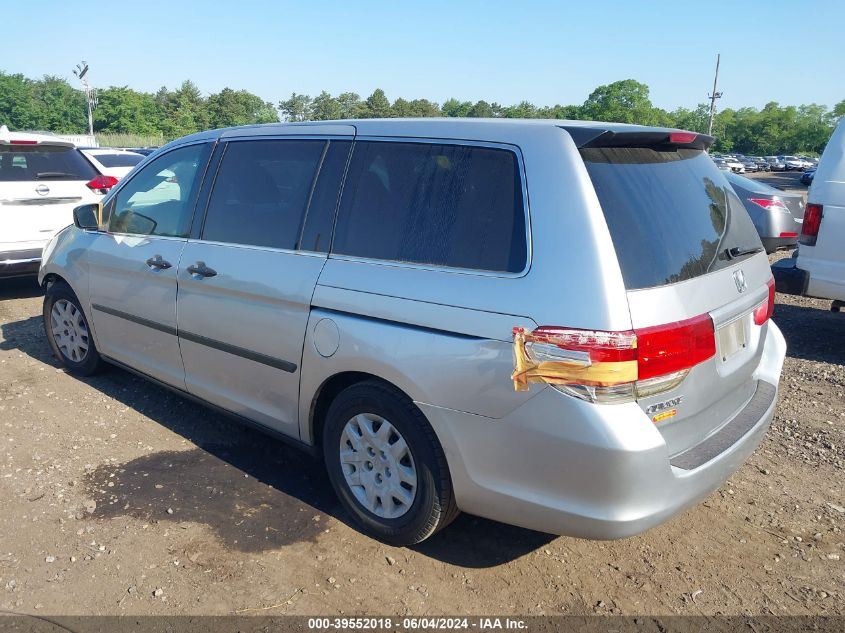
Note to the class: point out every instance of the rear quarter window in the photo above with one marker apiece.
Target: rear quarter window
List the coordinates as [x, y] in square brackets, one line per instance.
[435, 204]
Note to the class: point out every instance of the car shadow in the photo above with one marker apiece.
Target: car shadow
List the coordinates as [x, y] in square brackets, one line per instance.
[256, 492]
[812, 333]
[19, 288]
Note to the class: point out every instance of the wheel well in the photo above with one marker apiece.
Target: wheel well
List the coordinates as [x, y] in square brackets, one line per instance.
[328, 391]
[50, 279]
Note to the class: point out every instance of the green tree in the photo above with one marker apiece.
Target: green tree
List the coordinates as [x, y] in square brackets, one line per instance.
[376, 106]
[121, 109]
[238, 107]
[183, 110]
[425, 108]
[625, 101]
[693, 120]
[522, 110]
[17, 102]
[297, 108]
[481, 109]
[401, 108]
[326, 108]
[350, 105]
[58, 107]
[455, 108]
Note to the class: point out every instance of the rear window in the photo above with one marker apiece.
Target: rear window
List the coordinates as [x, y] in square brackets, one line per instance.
[118, 160]
[43, 162]
[671, 214]
[435, 204]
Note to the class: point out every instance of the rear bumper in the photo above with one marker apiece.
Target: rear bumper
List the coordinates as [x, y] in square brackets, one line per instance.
[563, 466]
[789, 279]
[17, 263]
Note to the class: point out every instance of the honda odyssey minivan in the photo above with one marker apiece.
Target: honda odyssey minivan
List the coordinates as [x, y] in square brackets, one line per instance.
[559, 325]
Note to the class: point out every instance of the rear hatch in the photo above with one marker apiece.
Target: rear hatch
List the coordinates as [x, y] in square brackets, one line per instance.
[40, 184]
[694, 269]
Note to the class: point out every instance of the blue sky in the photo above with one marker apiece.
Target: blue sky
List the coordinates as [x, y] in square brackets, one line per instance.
[791, 52]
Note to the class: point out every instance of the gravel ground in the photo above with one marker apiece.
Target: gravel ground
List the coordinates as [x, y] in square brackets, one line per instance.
[121, 498]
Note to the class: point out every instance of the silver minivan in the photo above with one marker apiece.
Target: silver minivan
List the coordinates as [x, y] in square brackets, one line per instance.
[559, 325]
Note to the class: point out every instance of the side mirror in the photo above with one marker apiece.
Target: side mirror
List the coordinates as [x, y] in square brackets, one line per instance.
[87, 216]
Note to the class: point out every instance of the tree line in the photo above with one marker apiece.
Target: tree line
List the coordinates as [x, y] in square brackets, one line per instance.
[51, 103]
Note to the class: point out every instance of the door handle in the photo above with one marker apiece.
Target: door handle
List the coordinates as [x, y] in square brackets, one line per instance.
[158, 263]
[201, 269]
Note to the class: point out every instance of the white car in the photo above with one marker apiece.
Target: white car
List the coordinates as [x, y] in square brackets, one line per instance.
[42, 179]
[817, 269]
[793, 162]
[736, 166]
[112, 162]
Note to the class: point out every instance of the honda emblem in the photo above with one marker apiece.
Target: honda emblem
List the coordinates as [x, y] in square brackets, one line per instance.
[739, 280]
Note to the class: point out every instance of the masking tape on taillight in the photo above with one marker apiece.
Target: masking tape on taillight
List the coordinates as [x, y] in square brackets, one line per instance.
[565, 372]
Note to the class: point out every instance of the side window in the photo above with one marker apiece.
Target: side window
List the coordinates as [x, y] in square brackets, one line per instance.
[319, 221]
[158, 200]
[261, 191]
[426, 203]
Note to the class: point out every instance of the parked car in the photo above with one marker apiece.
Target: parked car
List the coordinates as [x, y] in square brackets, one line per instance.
[736, 166]
[762, 163]
[817, 268]
[42, 178]
[722, 164]
[378, 291]
[112, 162]
[776, 214]
[793, 163]
[750, 165]
[775, 163]
[807, 176]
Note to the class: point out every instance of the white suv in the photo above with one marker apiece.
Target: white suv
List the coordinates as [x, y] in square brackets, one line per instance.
[42, 178]
[817, 268]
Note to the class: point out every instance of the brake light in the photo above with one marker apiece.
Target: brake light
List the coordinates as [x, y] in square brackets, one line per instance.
[812, 223]
[101, 184]
[664, 349]
[609, 367]
[22, 142]
[768, 203]
[764, 311]
[788, 234]
[682, 138]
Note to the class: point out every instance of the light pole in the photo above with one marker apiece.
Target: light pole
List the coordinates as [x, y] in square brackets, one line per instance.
[81, 71]
[715, 95]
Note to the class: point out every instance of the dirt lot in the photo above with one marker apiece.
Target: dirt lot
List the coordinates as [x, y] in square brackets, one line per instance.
[118, 498]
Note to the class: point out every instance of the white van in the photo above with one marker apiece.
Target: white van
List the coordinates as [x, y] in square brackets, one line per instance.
[817, 269]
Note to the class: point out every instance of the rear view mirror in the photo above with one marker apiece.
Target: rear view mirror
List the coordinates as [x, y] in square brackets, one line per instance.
[87, 216]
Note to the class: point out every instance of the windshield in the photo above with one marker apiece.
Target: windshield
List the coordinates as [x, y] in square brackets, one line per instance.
[671, 214]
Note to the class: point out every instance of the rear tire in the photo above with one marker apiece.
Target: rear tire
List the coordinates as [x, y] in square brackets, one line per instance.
[68, 331]
[386, 464]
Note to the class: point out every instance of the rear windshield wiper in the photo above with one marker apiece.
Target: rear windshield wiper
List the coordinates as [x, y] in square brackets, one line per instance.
[54, 174]
[736, 251]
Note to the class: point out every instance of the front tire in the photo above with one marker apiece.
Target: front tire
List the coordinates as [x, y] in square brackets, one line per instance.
[68, 331]
[386, 464]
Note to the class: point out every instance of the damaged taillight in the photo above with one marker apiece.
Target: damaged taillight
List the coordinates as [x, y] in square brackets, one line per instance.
[606, 367]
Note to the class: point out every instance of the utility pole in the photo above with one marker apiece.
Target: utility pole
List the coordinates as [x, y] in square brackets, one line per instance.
[81, 71]
[713, 96]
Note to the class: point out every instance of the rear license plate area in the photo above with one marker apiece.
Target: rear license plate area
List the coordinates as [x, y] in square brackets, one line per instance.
[731, 339]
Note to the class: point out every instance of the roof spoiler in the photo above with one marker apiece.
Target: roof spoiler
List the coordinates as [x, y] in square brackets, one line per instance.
[585, 137]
